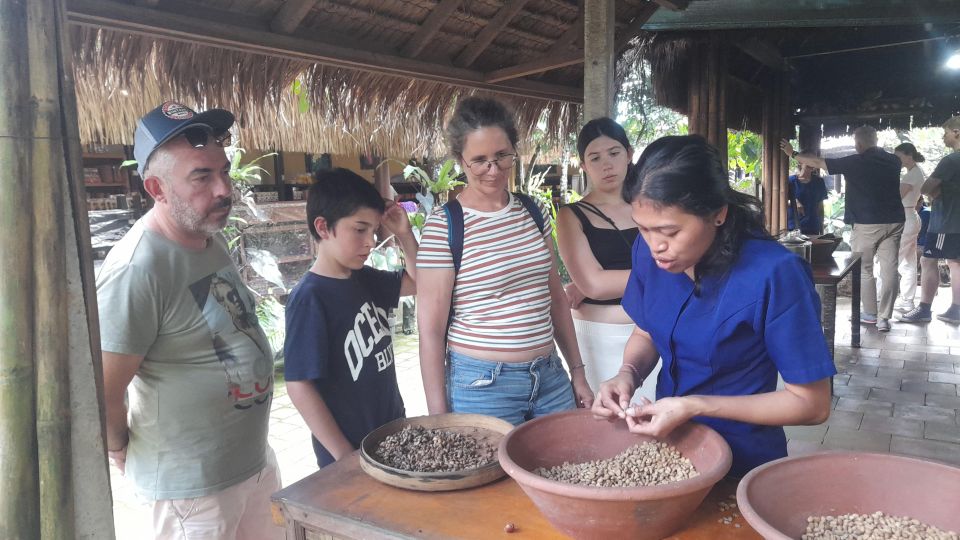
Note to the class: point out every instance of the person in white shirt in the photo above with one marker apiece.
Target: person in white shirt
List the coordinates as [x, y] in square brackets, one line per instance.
[910, 182]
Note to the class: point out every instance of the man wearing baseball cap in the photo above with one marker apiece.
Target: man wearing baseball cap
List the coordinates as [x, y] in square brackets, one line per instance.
[180, 340]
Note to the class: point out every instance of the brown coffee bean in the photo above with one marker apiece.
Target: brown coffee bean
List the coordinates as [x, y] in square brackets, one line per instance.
[418, 449]
[645, 464]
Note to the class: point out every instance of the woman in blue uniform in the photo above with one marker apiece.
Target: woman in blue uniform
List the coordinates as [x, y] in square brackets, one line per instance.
[726, 307]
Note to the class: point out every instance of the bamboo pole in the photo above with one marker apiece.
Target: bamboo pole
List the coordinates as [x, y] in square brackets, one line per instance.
[785, 123]
[51, 341]
[769, 144]
[694, 90]
[19, 485]
[93, 515]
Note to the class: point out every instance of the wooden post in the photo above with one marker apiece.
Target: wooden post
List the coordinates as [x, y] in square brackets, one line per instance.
[786, 127]
[49, 348]
[707, 92]
[51, 343]
[769, 150]
[598, 67]
[19, 482]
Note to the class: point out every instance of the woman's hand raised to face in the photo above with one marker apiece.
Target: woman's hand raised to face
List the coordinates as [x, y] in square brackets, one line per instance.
[614, 397]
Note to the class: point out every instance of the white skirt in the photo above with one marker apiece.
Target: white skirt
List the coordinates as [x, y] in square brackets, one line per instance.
[601, 347]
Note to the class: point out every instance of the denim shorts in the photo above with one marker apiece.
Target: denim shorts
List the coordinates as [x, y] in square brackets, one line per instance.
[514, 392]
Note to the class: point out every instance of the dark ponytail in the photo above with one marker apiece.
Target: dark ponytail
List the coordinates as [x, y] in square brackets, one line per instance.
[686, 172]
[910, 150]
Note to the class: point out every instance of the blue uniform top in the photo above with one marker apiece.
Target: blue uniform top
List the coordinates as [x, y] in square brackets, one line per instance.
[762, 316]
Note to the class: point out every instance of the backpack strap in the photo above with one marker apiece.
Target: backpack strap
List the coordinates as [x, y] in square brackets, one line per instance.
[533, 210]
[454, 212]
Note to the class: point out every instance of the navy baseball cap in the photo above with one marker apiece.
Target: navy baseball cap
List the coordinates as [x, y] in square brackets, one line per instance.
[169, 120]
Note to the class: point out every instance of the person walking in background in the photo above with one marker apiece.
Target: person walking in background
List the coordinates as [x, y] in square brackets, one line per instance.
[943, 232]
[873, 206]
[910, 182]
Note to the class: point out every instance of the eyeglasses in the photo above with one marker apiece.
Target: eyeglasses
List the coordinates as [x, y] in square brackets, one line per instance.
[199, 136]
[482, 166]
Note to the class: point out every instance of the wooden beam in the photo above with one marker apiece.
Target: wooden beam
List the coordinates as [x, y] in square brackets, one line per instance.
[599, 20]
[763, 52]
[486, 36]
[568, 38]
[756, 14]
[559, 57]
[290, 15]
[114, 15]
[673, 5]
[535, 66]
[430, 27]
[636, 25]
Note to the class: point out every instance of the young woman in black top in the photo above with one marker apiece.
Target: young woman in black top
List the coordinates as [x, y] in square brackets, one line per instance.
[595, 236]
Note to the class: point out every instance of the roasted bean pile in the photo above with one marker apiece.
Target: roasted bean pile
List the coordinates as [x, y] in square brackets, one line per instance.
[419, 449]
[645, 464]
[876, 526]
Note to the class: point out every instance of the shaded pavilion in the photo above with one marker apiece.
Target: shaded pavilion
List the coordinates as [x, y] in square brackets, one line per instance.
[759, 64]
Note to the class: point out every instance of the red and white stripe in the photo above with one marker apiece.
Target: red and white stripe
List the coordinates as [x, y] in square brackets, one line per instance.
[501, 298]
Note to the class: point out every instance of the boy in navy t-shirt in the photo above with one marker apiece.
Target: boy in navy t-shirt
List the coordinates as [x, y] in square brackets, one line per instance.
[338, 349]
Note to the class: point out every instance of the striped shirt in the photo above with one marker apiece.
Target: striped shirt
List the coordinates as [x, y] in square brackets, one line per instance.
[501, 298]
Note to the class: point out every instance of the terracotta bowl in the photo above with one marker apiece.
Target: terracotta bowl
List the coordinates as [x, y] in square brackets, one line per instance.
[583, 512]
[778, 497]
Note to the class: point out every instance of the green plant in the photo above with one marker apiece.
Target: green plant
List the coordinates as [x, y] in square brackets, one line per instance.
[270, 314]
[447, 177]
[243, 176]
[744, 159]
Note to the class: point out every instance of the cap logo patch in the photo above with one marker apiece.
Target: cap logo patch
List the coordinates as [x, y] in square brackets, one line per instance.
[176, 111]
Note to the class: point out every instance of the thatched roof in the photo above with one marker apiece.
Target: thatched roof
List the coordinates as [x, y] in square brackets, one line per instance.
[123, 69]
[849, 64]
[349, 112]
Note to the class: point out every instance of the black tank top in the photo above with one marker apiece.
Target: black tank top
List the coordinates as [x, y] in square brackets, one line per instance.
[611, 247]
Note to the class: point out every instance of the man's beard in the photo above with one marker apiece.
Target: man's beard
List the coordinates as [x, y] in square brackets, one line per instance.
[193, 221]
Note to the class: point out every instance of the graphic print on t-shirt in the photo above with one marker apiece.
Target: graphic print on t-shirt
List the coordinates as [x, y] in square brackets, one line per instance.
[370, 327]
[236, 337]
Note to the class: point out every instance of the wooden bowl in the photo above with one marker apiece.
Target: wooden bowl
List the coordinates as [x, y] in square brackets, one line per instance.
[485, 428]
[777, 498]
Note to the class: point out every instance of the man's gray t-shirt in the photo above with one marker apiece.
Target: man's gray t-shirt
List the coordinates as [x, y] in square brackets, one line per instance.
[199, 405]
[945, 211]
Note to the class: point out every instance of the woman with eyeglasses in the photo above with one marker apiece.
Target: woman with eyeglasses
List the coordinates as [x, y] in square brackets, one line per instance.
[595, 236]
[725, 306]
[492, 304]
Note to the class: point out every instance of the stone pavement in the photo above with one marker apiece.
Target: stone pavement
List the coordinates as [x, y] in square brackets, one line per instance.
[898, 393]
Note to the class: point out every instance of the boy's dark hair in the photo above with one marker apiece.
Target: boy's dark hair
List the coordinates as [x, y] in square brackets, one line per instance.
[339, 193]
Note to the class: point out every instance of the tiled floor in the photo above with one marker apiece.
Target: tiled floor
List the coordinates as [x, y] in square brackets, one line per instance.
[898, 393]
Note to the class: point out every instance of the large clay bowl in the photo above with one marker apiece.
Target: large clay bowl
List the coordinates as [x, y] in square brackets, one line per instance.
[582, 512]
[778, 497]
[486, 428]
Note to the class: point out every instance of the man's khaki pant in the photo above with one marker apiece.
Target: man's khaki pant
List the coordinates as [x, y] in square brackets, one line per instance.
[882, 242]
[239, 512]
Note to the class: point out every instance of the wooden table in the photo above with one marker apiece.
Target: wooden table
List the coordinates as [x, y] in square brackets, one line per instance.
[341, 501]
[827, 277]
